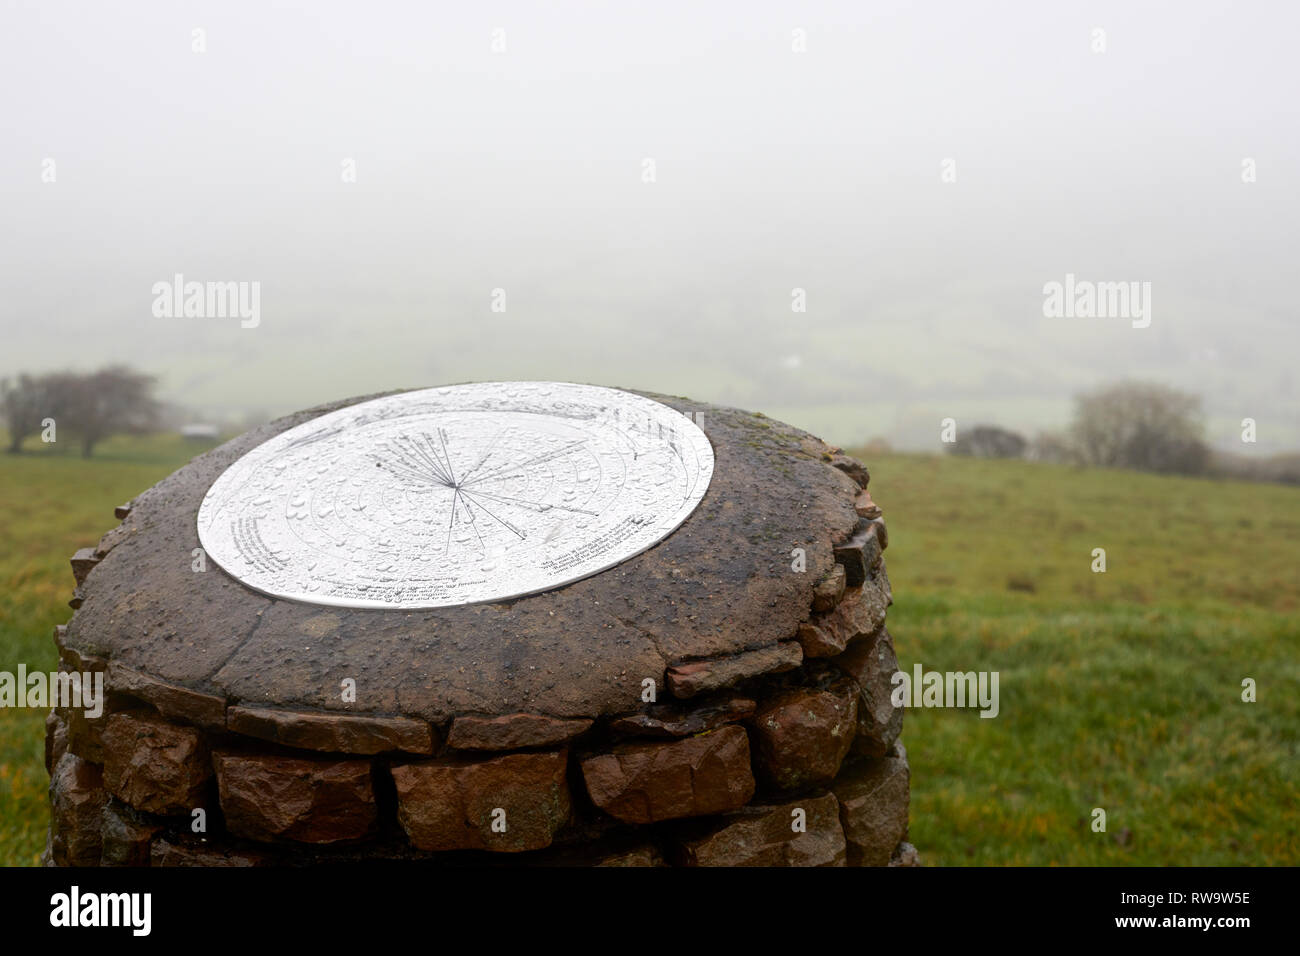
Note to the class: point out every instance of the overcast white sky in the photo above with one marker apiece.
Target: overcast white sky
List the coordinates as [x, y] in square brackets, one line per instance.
[775, 170]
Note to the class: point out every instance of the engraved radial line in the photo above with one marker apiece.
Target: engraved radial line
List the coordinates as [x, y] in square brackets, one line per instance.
[442, 437]
[430, 451]
[533, 461]
[521, 535]
[473, 523]
[534, 505]
[484, 457]
[403, 471]
[400, 468]
[414, 463]
[420, 454]
[451, 521]
[416, 456]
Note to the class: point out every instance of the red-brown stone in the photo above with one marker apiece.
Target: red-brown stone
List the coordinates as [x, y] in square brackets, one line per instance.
[126, 836]
[697, 677]
[801, 736]
[680, 720]
[336, 733]
[153, 765]
[871, 663]
[647, 782]
[171, 700]
[860, 554]
[768, 836]
[829, 590]
[196, 852]
[508, 804]
[873, 796]
[305, 799]
[77, 799]
[513, 731]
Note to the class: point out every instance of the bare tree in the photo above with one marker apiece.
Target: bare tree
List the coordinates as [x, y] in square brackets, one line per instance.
[989, 441]
[25, 406]
[1140, 425]
[108, 402]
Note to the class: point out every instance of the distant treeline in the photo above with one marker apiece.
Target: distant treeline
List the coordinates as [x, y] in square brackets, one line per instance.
[1137, 425]
[86, 406]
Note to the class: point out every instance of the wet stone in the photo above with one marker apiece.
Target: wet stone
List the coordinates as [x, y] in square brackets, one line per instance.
[860, 553]
[340, 733]
[77, 799]
[648, 782]
[171, 700]
[871, 664]
[83, 562]
[307, 800]
[505, 804]
[155, 766]
[56, 739]
[513, 731]
[770, 836]
[167, 852]
[127, 836]
[697, 677]
[829, 590]
[801, 736]
[682, 720]
[873, 796]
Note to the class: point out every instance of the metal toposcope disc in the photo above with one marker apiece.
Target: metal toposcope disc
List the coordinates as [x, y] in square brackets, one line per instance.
[456, 495]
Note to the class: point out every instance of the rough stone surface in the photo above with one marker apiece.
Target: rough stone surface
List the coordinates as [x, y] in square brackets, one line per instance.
[85, 734]
[646, 855]
[154, 765]
[83, 562]
[851, 467]
[871, 663]
[830, 590]
[905, 855]
[647, 782]
[455, 804]
[340, 733]
[179, 703]
[718, 586]
[765, 836]
[697, 677]
[56, 739]
[305, 799]
[865, 507]
[801, 736]
[873, 796]
[77, 799]
[126, 836]
[200, 853]
[860, 553]
[860, 613]
[685, 720]
[512, 732]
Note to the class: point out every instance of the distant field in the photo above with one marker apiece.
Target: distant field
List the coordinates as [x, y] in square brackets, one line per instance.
[1118, 690]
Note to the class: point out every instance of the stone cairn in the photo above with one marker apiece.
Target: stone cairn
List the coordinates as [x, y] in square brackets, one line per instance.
[722, 699]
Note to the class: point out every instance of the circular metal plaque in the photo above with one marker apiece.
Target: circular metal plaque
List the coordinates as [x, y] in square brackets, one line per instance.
[456, 495]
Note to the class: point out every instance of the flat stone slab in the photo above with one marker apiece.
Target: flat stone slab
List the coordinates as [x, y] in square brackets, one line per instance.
[720, 586]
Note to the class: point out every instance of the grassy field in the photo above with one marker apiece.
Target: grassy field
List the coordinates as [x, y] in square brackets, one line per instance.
[1119, 690]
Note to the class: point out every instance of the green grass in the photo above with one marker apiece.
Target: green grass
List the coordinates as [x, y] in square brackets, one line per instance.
[54, 503]
[1118, 690]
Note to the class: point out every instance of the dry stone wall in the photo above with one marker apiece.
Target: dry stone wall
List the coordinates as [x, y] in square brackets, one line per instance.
[786, 754]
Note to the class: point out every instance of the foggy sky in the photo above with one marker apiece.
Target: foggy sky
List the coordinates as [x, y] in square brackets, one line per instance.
[523, 170]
